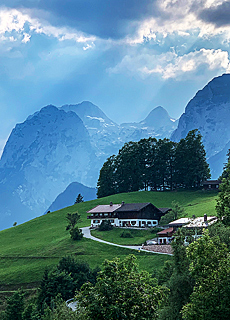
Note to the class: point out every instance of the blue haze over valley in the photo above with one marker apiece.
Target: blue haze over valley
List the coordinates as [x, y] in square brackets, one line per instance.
[64, 148]
[80, 78]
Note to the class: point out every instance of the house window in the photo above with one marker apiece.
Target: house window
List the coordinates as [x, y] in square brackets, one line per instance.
[94, 221]
[133, 223]
[105, 214]
[154, 222]
[217, 186]
[112, 221]
[149, 222]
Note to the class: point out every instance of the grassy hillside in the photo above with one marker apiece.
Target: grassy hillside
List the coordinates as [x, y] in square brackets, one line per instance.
[26, 250]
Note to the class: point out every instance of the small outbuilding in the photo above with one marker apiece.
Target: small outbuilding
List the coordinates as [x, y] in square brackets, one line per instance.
[211, 184]
[165, 236]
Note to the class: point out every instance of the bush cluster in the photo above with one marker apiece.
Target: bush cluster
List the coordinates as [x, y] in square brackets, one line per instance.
[126, 234]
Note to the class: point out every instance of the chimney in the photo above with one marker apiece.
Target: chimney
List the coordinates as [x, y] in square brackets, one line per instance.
[205, 217]
[123, 202]
[111, 204]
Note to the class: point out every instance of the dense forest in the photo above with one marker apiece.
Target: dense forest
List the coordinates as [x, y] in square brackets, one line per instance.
[156, 165]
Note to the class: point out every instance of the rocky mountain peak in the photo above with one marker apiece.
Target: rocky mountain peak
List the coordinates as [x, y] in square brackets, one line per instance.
[43, 129]
[157, 118]
[217, 90]
[91, 115]
[209, 112]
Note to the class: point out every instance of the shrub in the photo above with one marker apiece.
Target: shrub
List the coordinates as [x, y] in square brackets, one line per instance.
[126, 234]
[67, 277]
[105, 226]
[76, 233]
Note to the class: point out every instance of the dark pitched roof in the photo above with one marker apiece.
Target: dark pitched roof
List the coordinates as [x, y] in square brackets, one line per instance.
[165, 210]
[132, 206]
[211, 182]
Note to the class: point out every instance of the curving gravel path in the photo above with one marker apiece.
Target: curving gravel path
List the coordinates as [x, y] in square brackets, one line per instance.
[87, 234]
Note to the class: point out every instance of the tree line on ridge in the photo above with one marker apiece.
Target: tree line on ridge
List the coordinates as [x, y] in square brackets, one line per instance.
[156, 165]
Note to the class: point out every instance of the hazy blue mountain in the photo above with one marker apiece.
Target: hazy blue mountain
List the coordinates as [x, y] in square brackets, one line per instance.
[68, 196]
[11, 208]
[56, 146]
[157, 124]
[217, 161]
[104, 133]
[107, 137]
[42, 156]
[209, 112]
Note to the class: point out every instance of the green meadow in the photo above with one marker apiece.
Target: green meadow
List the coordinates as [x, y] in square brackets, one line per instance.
[28, 249]
[137, 236]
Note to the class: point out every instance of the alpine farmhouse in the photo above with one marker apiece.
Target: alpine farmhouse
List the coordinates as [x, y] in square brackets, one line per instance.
[127, 214]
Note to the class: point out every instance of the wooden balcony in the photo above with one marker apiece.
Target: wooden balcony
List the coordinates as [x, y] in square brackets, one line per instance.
[102, 216]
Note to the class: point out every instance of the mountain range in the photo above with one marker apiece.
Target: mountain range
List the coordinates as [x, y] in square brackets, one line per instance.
[57, 147]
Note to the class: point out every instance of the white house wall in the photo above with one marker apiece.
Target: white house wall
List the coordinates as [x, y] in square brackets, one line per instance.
[137, 222]
[164, 240]
[97, 222]
[126, 222]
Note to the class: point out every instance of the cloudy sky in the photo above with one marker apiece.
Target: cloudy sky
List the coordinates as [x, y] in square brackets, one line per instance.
[126, 56]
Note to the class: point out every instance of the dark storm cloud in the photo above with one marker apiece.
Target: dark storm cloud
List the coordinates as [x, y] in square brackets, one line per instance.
[103, 18]
[218, 15]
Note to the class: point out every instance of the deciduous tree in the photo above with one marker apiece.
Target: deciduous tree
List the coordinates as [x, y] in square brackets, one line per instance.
[191, 167]
[15, 306]
[210, 267]
[106, 184]
[223, 201]
[73, 219]
[122, 292]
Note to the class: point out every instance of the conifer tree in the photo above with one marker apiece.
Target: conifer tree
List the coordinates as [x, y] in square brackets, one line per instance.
[79, 199]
